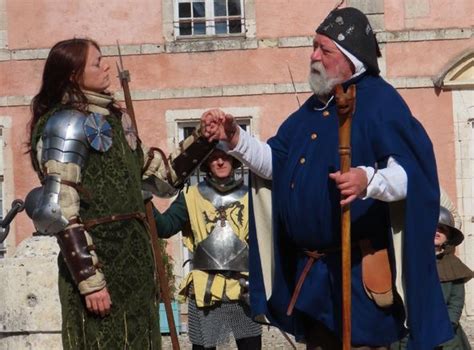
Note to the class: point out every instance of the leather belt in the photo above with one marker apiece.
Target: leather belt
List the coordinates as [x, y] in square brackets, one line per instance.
[107, 219]
[313, 256]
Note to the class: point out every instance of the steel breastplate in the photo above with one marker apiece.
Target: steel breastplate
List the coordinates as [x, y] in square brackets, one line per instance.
[222, 250]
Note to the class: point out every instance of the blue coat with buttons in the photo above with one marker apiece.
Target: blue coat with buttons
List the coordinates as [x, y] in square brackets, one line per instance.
[306, 216]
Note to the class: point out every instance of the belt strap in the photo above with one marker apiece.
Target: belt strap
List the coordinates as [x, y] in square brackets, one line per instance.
[208, 294]
[312, 257]
[119, 217]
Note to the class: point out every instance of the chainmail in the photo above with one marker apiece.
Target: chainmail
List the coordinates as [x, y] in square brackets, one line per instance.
[212, 326]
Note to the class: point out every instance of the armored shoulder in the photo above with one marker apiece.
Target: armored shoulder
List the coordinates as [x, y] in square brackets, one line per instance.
[64, 139]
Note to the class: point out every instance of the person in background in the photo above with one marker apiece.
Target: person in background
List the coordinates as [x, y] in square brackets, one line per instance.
[453, 275]
[213, 216]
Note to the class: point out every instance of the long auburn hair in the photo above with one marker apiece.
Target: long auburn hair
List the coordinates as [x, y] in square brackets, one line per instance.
[63, 70]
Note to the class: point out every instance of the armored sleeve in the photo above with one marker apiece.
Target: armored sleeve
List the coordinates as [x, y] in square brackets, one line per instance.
[164, 176]
[62, 152]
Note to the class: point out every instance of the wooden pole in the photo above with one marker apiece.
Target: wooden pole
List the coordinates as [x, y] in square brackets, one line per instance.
[124, 77]
[345, 104]
[162, 277]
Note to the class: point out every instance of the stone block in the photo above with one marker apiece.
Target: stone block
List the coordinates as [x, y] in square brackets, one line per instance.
[29, 292]
[368, 7]
[3, 39]
[3, 16]
[30, 54]
[31, 342]
[384, 37]
[249, 44]
[377, 22]
[151, 49]
[417, 8]
[5, 55]
[266, 43]
[298, 41]
[30, 312]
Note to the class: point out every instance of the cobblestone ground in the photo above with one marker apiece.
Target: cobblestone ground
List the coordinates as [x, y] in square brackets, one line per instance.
[468, 326]
[272, 339]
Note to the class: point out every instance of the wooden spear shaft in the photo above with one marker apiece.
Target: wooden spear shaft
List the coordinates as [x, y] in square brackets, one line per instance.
[345, 103]
[124, 77]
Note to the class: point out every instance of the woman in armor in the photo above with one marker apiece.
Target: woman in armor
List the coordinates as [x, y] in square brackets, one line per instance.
[91, 165]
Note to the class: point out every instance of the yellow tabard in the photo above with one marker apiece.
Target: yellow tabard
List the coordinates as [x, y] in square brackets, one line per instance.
[203, 217]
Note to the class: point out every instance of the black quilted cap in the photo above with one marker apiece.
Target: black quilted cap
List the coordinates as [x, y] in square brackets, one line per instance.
[351, 29]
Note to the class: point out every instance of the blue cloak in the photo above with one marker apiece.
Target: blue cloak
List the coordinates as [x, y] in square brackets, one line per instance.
[306, 216]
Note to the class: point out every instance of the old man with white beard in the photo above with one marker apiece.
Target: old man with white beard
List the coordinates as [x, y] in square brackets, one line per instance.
[393, 164]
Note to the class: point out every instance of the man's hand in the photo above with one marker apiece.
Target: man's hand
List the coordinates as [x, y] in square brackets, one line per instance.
[216, 125]
[351, 184]
[99, 302]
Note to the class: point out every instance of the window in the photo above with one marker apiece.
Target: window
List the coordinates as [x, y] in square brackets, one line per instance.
[208, 18]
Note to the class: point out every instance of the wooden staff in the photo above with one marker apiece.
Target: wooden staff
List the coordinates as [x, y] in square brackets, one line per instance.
[124, 77]
[345, 104]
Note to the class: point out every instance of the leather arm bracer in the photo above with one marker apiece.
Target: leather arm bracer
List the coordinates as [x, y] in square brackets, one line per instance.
[163, 176]
[77, 253]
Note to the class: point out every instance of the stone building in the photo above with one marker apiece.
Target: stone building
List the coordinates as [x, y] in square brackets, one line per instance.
[249, 57]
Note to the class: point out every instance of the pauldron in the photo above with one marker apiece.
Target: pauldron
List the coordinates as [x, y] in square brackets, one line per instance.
[64, 139]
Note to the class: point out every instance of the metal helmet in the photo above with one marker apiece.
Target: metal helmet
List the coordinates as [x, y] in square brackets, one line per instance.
[446, 220]
[222, 147]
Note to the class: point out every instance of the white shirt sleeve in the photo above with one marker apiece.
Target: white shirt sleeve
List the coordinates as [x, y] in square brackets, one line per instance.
[388, 184]
[255, 154]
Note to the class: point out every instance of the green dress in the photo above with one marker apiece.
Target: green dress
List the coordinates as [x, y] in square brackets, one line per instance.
[113, 180]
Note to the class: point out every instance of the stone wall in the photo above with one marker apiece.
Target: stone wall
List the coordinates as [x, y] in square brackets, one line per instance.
[30, 311]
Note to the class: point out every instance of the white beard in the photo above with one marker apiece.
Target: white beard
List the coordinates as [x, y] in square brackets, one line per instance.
[319, 81]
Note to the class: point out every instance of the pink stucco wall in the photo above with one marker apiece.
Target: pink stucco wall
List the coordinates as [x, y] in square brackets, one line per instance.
[434, 111]
[423, 58]
[277, 18]
[428, 14]
[180, 70]
[41, 23]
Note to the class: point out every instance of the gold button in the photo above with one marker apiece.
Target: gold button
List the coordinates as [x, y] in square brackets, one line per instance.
[302, 160]
[326, 114]
[314, 136]
[292, 185]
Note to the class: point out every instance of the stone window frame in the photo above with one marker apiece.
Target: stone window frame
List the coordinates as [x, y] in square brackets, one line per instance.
[3, 246]
[457, 73]
[210, 22]
[169, 16]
